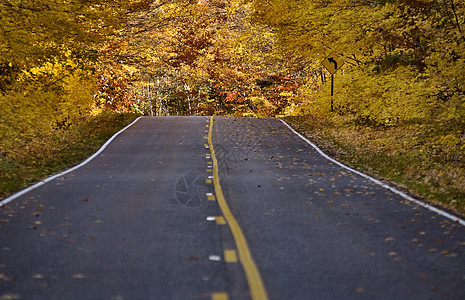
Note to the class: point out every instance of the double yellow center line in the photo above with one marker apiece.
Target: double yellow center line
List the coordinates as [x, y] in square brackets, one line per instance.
[257, 289]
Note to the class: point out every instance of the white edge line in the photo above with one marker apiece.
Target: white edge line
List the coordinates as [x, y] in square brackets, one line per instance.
[44, 181]
[403, 195]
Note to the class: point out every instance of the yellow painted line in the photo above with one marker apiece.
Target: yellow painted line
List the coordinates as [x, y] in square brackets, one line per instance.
[211, 197]
[220, 220]
[208, 181]
[220, 296]
[230, 256]
[208, 170]
[257, 288]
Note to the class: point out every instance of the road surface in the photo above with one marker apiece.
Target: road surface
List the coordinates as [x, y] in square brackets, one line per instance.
[180, 208]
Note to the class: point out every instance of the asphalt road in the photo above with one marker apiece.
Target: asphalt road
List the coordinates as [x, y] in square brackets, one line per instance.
[144, 220]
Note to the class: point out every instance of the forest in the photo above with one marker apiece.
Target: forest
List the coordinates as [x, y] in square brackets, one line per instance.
[399, 98]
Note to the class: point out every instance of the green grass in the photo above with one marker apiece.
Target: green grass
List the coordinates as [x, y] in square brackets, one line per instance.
[404, 155]
[65, 149]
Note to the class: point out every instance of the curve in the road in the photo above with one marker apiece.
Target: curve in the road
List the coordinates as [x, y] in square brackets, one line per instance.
[256, 286]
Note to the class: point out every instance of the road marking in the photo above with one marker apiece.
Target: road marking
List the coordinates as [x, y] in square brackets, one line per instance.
[220, 220]
[403, 195]
[220, 296]
[214, 257]
[27, 190]
[256, 286]
[230, 256]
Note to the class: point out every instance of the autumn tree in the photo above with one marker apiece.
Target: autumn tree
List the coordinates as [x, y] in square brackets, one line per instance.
[199, 57]
[402, 57]
[403, 72]
[49, 55]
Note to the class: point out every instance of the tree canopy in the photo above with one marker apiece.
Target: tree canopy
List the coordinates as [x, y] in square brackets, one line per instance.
[65, 60]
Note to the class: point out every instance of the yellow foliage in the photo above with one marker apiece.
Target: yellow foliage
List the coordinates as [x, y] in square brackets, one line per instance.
[33, 113]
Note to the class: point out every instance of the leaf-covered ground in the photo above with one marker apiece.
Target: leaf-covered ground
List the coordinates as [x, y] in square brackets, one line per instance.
[410, 158]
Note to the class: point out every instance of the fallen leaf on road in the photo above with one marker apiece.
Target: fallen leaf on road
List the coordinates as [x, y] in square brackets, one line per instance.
[5, 278]
[9, 296]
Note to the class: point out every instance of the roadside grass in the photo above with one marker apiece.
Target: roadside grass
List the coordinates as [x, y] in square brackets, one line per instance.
[407, 156]
[64, 149]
